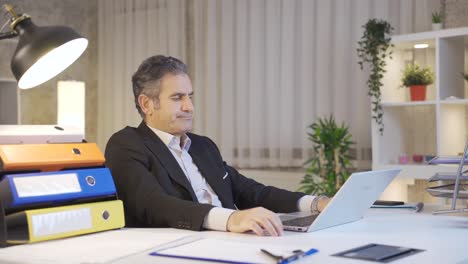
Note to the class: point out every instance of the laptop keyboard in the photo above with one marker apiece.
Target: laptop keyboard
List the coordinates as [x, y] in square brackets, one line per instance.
[298, 221]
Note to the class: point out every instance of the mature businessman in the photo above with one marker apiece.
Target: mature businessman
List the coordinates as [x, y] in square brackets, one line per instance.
[168, 177]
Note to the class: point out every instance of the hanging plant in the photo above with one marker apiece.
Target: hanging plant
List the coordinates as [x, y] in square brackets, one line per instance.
[373, 50]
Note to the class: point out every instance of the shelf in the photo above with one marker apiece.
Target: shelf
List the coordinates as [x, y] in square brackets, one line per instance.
[448, 160]
[446, 191]
[415, 103]
[437, 126]
[444, 33]
[454, 102]
[417, 171]
[447, 176]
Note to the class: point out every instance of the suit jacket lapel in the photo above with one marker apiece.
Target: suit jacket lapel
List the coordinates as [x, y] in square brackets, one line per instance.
[160, 150]
[212, 173]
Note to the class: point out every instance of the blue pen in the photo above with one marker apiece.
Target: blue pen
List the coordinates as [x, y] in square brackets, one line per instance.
[297, 254]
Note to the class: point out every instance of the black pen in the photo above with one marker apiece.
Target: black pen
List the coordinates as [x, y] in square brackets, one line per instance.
[297, 254]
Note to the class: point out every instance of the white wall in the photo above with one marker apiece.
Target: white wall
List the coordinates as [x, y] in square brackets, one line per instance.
[288, 180]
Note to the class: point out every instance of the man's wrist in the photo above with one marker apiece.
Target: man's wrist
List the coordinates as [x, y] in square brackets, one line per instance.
[217, 219]
[227, 222]
[314, 206]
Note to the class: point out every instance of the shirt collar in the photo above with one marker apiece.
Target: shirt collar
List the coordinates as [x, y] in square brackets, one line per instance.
[172, 141]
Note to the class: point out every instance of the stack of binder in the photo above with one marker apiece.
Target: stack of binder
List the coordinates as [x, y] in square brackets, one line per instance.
[50, 191]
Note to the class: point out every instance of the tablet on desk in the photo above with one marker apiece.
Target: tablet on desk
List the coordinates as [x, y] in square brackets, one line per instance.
[378, 253]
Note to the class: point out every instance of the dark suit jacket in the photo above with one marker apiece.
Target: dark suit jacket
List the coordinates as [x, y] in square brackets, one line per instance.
[156, 192]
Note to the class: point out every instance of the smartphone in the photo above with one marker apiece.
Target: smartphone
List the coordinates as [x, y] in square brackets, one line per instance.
[388, 203]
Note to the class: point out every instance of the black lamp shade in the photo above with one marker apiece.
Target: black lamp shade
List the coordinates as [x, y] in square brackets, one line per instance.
[44, 52]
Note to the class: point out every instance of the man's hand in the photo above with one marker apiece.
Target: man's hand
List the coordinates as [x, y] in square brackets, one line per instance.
[257, 220]
[323, 203]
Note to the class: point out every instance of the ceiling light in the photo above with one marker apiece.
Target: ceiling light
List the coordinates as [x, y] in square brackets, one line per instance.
[421, 46]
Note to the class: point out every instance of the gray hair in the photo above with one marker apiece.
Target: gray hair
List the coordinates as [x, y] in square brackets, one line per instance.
[147, 79]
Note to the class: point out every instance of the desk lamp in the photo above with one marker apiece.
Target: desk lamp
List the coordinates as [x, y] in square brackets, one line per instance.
[42, 52]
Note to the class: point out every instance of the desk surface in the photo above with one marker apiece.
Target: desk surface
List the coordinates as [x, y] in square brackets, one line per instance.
[444, 239]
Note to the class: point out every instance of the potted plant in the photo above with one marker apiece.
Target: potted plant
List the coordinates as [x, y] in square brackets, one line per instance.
[437, 20]
[373, 50]
[328, 169]
[417, 79]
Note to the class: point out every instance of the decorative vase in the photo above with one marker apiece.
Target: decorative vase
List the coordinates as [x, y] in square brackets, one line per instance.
[417, 158]
[436, 26]
[428, 158]
[403, 159]
[418, 92]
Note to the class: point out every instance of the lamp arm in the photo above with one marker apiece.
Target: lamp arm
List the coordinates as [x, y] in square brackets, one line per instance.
[15, 19]
[8, 35]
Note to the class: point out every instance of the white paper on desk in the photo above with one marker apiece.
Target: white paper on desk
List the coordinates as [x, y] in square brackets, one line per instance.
[222, 250]
[100, 247]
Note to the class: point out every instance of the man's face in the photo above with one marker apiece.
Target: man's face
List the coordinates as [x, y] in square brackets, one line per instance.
[174, 111]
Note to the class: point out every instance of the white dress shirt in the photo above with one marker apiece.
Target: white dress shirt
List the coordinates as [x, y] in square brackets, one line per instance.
[217, 217]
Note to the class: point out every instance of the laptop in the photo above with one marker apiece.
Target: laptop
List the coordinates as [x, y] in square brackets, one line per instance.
[349, 204]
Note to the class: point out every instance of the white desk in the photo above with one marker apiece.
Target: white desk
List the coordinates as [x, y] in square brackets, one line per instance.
[445, 239]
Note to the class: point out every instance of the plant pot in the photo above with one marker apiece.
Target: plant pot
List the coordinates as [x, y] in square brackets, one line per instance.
[436, 26]
[418, 92]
